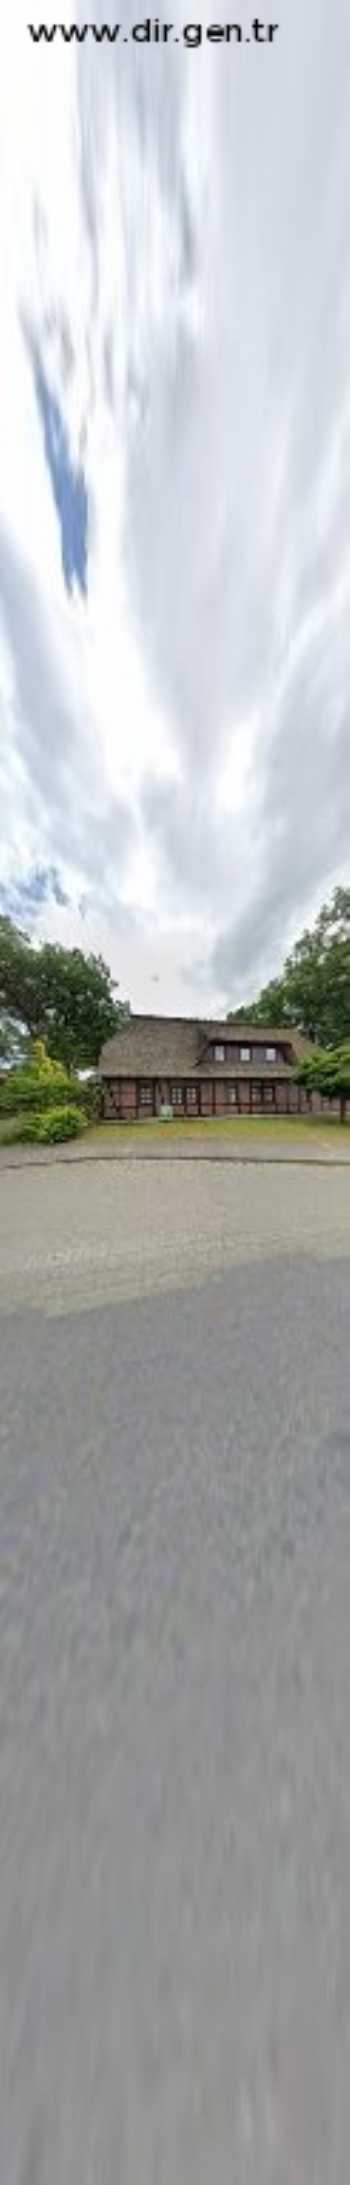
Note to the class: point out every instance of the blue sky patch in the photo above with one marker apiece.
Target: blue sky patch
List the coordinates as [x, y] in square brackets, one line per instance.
[24, 898]
[68, 485]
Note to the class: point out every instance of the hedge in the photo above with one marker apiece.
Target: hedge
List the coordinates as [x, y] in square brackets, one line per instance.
[48, 1129]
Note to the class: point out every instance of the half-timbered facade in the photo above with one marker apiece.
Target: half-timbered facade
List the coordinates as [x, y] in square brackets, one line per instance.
[186, 1067]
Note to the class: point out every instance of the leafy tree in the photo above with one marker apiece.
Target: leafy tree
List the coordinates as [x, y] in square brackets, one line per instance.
[58, 995]
[36, 1082]
[43, 1063]
[314, 989]
[328, 1071]
[271, 1007]
[13, 1042]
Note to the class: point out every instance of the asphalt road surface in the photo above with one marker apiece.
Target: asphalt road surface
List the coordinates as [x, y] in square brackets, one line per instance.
[175, 1730]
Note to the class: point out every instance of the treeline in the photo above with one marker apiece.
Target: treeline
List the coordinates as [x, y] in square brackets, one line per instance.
[313, 989]
[56, 995]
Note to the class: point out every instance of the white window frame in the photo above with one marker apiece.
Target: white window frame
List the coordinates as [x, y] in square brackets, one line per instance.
[219, 1054]
[271, 1054]
[245, 1054]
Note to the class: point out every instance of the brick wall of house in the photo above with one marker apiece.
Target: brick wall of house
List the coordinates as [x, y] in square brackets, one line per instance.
[128, 1100]
[244, 1095]
[220, 1097]
[121, 1100]
[206, 1098]
[111, 1099]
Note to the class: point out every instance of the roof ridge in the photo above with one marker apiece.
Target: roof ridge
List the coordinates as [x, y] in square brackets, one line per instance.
[231, 1027]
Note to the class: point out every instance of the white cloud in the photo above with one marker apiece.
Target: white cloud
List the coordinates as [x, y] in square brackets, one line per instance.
[174, 234]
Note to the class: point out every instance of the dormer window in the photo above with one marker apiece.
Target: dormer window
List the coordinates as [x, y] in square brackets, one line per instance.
[219, 1054]
[245, 1054]
[271, 1054]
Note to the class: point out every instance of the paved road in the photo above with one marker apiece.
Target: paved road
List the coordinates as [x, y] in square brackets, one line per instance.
[175, 1734]
[71, 1236]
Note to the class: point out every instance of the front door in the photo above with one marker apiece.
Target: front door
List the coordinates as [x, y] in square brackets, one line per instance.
[163, 1099]
[191, 1099]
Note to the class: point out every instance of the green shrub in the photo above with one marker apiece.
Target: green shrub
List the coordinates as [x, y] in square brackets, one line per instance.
[11, 1133]
[90, 1098]
[48, 1129]
[31, 1088]
[28, 1088]
[59, 1123]
[27, 1127]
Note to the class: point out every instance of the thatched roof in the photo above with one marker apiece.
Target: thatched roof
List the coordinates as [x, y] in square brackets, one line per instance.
[176, 1047]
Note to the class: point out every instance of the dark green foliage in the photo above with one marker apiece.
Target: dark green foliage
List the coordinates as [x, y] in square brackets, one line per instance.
[313, 991]
[90, 1100]
[271, 1007]
[13, 1042]
[28, 1088]
[42, 1083]
[52, 1128]
[57, 995]
[328, 1072]
[60, 1123]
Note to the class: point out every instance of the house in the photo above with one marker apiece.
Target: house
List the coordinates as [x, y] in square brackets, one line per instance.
[195, 1068]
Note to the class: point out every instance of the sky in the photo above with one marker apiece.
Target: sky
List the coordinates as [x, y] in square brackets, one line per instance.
[175, 494]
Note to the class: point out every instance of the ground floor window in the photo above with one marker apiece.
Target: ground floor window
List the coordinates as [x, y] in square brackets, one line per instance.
[232, 1094]
[191, 1096]
[177, 1096]
[146, 1096]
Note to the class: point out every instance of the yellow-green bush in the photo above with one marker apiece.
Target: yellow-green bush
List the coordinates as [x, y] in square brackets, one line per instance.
[49, 1128]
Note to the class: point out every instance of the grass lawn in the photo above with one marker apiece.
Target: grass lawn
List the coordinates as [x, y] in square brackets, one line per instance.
[240, 1129]
[245, 1126]
[6, 1128]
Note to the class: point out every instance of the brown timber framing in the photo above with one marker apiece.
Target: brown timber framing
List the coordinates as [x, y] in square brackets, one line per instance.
[155, 1058]
[206, 1097]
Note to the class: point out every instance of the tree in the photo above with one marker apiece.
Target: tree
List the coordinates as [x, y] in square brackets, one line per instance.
[271, 1007]
[13, 1042]
[59, 996]
[313, 991]
[35, 1083]
[328, 1072]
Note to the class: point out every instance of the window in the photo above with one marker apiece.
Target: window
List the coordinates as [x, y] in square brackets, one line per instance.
[192, 1096]
[219, 1053]
[244, 1054]
[232, 1096]
[176, 1095]
[270, 1054]
[145, 1096]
